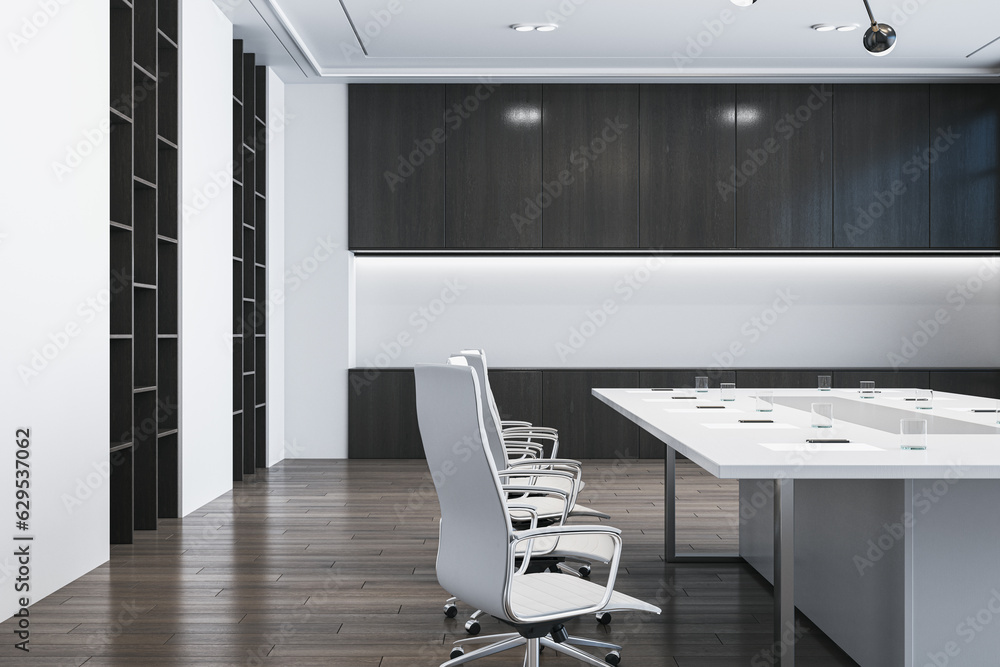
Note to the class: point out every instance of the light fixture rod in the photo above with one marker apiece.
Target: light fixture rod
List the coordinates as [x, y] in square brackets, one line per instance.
[870, 15]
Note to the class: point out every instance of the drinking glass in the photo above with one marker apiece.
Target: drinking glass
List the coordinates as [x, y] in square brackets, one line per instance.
[867, 389]
[728, 391]
[765, 400]
[924, 399]
[701, 384]
[825, 382]
[822, 415]
[913, 433]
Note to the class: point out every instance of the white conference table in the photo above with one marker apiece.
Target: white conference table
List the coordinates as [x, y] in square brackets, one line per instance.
[887, 550]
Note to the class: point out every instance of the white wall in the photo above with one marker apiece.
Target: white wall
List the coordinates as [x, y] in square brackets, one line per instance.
[688, 312]
[318, 272]
[276, 124]
[54, 282]
[206, 273]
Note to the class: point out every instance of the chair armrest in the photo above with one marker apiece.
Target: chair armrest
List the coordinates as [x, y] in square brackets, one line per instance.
[530, 432]
[534, 481]
[538, 473]
[557, 531]
[535, 474]
[568, 463]
[536, 449]
[530, 427]
[540, 490]
[524, 437]
[540, 468]
[513, 423]
[533, 511]
[525, 449]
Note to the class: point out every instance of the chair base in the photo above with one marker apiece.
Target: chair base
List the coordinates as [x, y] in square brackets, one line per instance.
[511, 640]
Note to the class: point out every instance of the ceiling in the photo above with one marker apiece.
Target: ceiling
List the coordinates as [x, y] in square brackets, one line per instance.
[619, 40]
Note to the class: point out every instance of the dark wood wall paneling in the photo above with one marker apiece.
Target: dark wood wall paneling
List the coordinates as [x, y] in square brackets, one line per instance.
[495, 152]
[784, 163]
[382, 415]
[881, 187]
[383, 419]
[590, 192]
[687, 153]
[396, 156]
[591, 429]
[964, 159]
[518, 395]
[753, 166]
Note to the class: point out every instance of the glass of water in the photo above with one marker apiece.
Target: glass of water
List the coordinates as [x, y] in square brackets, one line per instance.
[923, 399]
[728, 391]
[825, 382]
[822, 415]
[765, 400]
[867, 389]
[913, 433]
[701, 384]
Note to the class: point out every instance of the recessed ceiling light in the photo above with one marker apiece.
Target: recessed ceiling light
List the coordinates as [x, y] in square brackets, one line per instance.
[743, 3]
[847, 28]
[823, 27]
[534, 27]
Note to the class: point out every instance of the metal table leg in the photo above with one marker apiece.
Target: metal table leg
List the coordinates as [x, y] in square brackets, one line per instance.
[784, 572]
[670, 518]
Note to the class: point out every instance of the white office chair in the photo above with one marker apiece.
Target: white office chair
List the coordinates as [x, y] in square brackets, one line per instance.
[521, 437]
[479, 548]
[538, 491]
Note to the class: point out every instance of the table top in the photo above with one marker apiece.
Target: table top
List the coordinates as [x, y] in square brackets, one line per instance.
[961, 443]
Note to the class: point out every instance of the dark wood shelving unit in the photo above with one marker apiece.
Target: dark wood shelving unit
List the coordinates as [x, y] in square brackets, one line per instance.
[249, 263]
[144, 244]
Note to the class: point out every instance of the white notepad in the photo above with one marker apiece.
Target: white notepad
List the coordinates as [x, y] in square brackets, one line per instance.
[819, 447]
[748, 426]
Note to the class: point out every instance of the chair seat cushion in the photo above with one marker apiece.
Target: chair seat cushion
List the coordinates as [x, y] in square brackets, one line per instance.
[544, 593]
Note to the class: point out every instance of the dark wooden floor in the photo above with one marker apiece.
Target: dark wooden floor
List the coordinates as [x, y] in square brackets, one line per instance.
[332, 563]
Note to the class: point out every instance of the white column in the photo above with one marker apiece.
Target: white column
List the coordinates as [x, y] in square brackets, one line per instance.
[54, 286]
[318, 272]
[206, 273]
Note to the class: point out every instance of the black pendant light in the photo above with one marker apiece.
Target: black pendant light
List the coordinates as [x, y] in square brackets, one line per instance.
[880, 38]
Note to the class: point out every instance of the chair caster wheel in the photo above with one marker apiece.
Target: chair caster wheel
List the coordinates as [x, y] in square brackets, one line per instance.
[584, 571]
[450, 610]
[604, 618]
[613, 658]
[472, 627]
[456, 652]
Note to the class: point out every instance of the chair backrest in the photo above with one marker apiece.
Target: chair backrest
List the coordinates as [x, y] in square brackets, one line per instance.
[485, 374]
[472, 559]
[491, 417]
